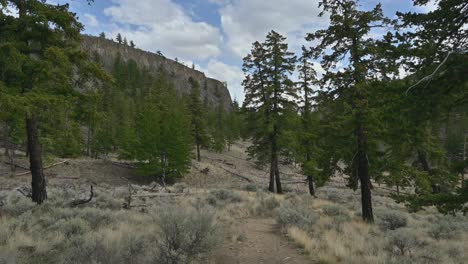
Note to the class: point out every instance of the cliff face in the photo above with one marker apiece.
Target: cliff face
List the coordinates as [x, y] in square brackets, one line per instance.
[212, 90]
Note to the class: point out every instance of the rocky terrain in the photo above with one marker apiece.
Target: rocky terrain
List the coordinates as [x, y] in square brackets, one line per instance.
[214, 91]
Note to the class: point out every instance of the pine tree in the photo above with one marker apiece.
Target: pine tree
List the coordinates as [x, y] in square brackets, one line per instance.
[234, 124]
[435, 53]
[125, 42]
[197, 116]
[347, 34]
[119, 38]
[132, 44]
[307, 77]
[102, 35]
[40, 57]
[268, 92]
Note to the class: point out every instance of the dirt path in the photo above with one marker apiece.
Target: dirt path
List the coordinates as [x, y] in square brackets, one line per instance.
[262, 244]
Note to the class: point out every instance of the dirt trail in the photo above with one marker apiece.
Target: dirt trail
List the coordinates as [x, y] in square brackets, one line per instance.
[262, 244]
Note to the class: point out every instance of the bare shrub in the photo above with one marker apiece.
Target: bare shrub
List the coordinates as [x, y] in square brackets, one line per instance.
[71, 227]
[392, 220]
[179, 187]
[401, 241]
[221, 197]
[444, 228]
[251, 187]
[334, 196]
[334, 210]
[96, 217]
[298, 216]
[266, 205]
[186, 234]
[16, 204]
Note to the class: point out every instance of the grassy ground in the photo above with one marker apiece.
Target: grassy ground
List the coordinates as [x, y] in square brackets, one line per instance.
[204, 220]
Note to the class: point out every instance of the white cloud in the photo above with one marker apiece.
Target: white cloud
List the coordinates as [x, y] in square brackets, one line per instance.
[429, 7]
[164, 25]
[233, 75]
[91, 20]
[245, 21]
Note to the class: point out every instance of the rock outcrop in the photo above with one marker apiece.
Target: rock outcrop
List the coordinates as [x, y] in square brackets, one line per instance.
[213, 91]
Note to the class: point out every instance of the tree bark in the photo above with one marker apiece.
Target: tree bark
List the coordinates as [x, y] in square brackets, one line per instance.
[363, 173]
[198, 152]
[38, 183]
[310, 181]
[271, 186]
[425, 164]
[279, 189]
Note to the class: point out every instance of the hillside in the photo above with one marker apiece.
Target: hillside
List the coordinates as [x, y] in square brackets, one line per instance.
[214, 91]
[239, 221]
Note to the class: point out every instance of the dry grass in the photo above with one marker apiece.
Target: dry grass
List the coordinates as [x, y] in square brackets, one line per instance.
[328, 228]
[339, 236]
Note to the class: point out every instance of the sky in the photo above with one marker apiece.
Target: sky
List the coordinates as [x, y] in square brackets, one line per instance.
[213, 34]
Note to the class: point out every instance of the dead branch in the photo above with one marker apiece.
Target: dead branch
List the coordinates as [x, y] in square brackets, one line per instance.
[25, 191]
[429, 77]
[157, 195]
[47, 167]
[123, 165]
[294, 182]
[237, 175]
[76, 203]
[16, 165]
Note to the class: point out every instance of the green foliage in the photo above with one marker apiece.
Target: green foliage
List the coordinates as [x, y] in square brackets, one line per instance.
[37, 74]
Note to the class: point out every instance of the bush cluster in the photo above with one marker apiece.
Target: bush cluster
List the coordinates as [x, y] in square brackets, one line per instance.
[392, 220]
[298, 215]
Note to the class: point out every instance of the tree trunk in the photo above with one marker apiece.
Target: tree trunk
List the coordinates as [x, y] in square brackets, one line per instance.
[425, 164]
[271, 186]
[279, 189]
[11, 157]
[310, 181]
[464, 159]
[198, 152]
[38, 183]
[363, 173]
[88, 141]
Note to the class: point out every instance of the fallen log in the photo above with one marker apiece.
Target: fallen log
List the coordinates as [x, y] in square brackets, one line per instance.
[237, 175]
[157, 195]
[123, 165]
[16, 165]
[47, 167]
[295, 182]
[25, 191]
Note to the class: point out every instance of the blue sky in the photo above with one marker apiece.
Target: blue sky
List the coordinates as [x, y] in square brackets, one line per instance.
[213, 34]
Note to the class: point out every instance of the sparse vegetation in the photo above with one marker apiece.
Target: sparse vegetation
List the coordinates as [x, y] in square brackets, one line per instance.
[371, 120]
[391, 220]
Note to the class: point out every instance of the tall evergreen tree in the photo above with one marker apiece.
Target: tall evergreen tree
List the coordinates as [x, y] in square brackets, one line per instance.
[434, 51]
[197, 116]
[268, 93]
[347, 36]
[39, 56]
[307, 77]
[119, 38]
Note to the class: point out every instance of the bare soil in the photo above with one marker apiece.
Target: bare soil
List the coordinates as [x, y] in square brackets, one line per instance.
[262, 243]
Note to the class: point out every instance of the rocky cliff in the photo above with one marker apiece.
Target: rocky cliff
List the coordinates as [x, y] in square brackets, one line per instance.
[212, 90]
